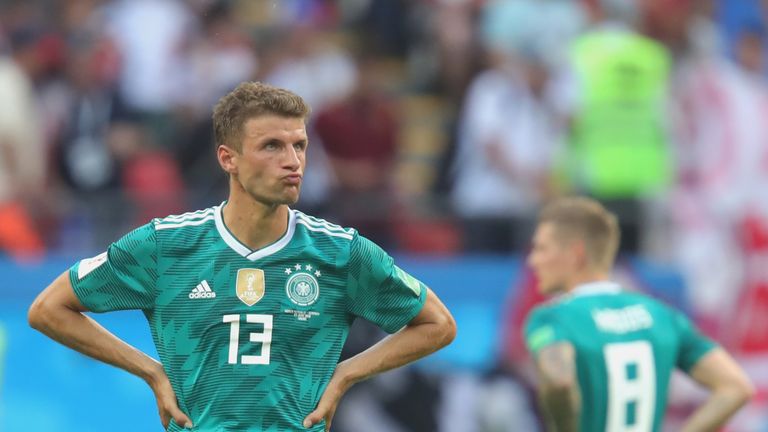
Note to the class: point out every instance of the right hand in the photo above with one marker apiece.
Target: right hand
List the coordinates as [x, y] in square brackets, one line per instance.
[167, 404]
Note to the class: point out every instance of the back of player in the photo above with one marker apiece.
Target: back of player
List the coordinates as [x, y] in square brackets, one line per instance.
[626, 346]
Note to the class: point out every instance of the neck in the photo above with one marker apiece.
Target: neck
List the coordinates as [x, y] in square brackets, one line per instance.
[254, 224]
[585, 277]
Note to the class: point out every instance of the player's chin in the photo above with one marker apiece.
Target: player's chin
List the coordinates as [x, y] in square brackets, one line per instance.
[291, 195]
[546, 287]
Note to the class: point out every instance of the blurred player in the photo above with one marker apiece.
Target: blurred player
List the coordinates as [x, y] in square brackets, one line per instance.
[249, 302]
[604, 355]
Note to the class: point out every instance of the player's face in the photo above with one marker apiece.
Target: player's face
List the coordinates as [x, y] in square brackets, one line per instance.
[270, 165]
[551, 259]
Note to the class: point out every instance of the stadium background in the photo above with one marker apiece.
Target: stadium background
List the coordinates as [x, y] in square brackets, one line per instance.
[438, 128]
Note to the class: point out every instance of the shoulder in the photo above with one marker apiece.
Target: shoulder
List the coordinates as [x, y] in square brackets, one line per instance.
[346, 244]
[541, 329]
[548, 311]
[541, 314]
[185, 220]
[651, 303]
[318, 228]
[185, 231]
[487, 84]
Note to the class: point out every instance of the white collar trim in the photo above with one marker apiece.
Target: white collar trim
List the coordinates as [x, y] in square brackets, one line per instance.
[244, 250]
[597, 287]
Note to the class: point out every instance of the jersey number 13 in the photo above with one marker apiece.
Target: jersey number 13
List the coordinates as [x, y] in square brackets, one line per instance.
[265, 337]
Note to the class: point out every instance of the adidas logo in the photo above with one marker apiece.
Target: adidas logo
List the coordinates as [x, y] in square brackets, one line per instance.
[202, 290]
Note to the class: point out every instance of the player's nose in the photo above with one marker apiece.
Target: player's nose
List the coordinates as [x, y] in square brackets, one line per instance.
[292, 159]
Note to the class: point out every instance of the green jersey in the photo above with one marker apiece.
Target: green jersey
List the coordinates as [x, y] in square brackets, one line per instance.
[249, 339]
[627, 346]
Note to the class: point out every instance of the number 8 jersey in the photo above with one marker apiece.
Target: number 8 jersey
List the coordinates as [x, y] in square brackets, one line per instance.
[249, 339]
[627, 346]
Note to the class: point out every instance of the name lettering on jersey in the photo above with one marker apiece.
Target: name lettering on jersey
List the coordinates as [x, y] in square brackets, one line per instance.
[624, 320]
[250, 285]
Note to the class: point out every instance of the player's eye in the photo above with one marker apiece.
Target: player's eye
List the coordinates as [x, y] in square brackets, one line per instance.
[271, 145]
[300, 146]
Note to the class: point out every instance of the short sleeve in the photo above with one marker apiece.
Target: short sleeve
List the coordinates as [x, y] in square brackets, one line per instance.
[541, 330]
[693, 344]
[121, 278]
[378, 290]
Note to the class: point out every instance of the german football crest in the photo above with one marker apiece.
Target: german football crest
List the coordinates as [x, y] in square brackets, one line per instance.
[302, 287]
[250, 285]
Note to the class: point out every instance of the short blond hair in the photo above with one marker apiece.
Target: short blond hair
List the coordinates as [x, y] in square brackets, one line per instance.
[249, 100]
[587, 219]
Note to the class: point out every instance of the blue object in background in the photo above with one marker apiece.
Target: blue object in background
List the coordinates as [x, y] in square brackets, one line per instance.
[475, 290]
[47, 387]
[734, 16]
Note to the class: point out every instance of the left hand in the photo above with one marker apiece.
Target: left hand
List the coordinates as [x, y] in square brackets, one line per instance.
[326, 407]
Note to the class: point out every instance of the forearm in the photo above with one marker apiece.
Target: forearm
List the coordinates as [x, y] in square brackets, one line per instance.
[729, 387]
[561, 407]
[81, 333]
[409, 344]
[716, 411]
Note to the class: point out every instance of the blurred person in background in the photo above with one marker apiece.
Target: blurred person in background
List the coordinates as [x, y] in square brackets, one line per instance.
[749, 314]
[266, 293]
[86, 163]
[311, 61]
[457, 43]
[604, 355]
[619, 149]
[84, 107]
[23, 156]
[507, 139]
[719, 210]
[218, 55]
[547, 27]
[150, 36]
[510, 127]
[360, 134]
[719, 214]
[149, 175]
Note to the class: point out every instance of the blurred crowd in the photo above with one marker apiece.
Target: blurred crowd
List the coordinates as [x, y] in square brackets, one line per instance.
[438, 126]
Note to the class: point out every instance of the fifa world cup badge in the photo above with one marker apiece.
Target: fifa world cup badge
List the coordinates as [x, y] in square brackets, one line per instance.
[250, 285]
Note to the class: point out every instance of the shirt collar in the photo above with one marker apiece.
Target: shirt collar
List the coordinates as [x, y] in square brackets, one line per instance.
[596, 287]
[244, 250]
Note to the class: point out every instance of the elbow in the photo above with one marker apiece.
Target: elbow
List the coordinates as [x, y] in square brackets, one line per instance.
[744, 391]
[35, 314]
[437, 332]
[445, 330]
[738, 391]
[38, 313]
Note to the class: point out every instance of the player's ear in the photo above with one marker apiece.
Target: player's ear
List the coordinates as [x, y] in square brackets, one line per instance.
[227, 157]
[579, 253]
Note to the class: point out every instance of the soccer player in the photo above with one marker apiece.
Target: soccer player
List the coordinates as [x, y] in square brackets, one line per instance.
[604, 355]
[249, 302]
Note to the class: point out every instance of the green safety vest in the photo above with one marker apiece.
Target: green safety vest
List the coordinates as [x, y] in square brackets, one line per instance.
[618, 146]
